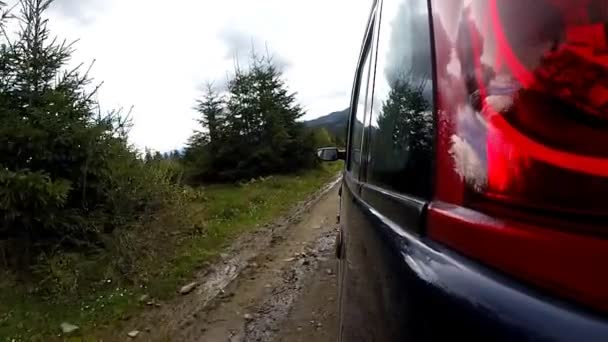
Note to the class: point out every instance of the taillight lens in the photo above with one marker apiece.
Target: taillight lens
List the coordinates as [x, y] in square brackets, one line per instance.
[540, 70]
[523, 135]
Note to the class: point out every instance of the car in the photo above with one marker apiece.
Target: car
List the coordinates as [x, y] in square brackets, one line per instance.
[474, 201]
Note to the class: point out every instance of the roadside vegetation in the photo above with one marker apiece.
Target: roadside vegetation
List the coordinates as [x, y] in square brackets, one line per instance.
[91, 229]
[89, 290]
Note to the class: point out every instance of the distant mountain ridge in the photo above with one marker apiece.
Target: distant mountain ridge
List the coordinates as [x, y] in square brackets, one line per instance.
[335, 123]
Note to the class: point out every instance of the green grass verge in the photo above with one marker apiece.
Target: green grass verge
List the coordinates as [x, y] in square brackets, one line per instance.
[225, 212]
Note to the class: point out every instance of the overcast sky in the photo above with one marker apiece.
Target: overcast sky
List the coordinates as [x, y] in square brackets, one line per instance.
[156, 55]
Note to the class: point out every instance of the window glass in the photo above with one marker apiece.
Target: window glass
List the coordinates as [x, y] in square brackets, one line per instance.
[358, 120]
[401, 130]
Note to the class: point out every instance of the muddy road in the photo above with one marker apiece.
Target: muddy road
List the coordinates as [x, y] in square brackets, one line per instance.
[278, 283]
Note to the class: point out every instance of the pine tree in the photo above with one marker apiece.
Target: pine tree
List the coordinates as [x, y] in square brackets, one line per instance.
[205, 145]
[275, 141]
[257, 132]
[278, 112]
[211, 109]
[48, 128]
[66, 171]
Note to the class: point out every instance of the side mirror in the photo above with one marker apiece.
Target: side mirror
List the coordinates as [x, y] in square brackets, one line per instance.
[330, 154]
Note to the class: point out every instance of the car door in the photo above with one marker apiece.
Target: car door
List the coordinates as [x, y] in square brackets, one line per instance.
[381, 300]
[355, 166]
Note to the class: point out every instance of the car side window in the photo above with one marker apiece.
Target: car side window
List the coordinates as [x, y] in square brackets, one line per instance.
[358, 116]
[401, 130]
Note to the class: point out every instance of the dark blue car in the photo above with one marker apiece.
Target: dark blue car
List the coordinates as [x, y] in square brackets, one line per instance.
[474, 204]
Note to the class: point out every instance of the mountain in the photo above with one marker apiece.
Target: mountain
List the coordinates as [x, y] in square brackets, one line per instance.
[335, 123]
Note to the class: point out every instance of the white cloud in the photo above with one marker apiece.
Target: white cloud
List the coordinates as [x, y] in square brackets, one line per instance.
[82, 11]
[240, 45]
[155, 54]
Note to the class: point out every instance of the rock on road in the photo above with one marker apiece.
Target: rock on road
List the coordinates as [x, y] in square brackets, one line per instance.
[280, 285]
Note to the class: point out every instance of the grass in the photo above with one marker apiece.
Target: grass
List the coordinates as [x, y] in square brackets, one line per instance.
[167, 252]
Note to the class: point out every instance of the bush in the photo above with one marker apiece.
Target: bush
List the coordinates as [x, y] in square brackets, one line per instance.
[28, 199]
[322, 138]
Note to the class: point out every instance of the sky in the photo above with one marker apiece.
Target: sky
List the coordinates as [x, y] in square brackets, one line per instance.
[156, 55]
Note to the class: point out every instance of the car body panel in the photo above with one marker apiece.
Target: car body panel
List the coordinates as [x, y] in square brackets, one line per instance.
[398, 284]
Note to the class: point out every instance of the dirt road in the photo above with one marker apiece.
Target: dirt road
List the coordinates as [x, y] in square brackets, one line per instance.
[276, 284]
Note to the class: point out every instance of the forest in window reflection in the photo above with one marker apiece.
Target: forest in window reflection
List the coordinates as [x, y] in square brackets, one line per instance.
[402, 137]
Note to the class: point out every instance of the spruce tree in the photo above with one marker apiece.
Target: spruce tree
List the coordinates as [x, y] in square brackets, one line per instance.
[211, 109]
[254, 130]
[66, 171]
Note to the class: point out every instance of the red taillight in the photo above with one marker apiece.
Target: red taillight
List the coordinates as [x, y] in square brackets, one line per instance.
[523, 141]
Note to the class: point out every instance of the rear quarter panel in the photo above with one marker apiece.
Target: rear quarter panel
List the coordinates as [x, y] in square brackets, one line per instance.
[398, 286]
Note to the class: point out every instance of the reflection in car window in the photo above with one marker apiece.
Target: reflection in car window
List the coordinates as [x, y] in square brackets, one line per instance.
[359, 119]
[402, 120]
